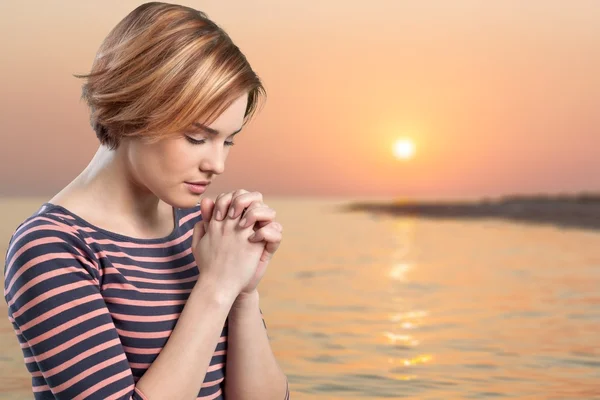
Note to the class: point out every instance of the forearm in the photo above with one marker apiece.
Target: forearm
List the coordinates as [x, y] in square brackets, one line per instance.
[252, 371]
[179, 370]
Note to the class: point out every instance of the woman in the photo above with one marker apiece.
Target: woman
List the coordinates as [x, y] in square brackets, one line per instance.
[120, 286]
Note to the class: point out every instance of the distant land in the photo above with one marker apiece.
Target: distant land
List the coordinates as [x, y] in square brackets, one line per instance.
[564, 210]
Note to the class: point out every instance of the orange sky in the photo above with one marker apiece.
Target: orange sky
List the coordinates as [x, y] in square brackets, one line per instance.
[499, 97]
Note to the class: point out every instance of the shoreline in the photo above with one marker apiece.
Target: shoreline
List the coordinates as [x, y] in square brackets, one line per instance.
[565, 211]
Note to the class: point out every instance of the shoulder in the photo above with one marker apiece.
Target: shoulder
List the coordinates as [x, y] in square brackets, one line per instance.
[47, 222]
[45, 239]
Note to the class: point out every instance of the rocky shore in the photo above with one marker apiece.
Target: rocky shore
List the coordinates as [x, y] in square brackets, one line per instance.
[572, 211]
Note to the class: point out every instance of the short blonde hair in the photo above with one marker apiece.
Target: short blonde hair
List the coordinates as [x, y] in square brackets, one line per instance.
[162, 68]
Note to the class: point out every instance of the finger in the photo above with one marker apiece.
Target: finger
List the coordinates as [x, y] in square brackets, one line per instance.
[261, 224]
[243, 200]
[268, 234]
[263, 214]
[222, 205]
[245, 211]
[272, 246]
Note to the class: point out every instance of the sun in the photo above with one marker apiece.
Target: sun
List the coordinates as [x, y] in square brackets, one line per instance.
[404, 149]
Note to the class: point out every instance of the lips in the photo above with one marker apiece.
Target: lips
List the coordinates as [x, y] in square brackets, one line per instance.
[200, 183]
[196, 188]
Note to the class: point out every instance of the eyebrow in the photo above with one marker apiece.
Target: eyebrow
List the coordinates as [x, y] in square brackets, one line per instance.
[211, 130]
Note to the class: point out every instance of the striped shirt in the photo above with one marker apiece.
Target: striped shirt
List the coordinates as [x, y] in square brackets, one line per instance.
[92, 309]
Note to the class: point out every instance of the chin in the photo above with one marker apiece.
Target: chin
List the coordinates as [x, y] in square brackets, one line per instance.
[188, 201]
[182, 199]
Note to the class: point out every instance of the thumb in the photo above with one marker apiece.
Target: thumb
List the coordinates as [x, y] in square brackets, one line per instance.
[198, 233]
[206, 209]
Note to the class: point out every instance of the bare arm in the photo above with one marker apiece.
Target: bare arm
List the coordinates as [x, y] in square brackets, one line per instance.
[227, 261]
[252, 371]
[179, 370]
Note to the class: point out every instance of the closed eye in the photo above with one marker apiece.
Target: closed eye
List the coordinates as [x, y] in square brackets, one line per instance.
[202, 141]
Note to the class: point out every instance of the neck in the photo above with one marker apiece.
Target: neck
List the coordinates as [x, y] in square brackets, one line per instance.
[108, 186]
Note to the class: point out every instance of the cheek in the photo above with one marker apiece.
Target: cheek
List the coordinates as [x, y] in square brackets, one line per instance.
[163, 162]
[181, 159]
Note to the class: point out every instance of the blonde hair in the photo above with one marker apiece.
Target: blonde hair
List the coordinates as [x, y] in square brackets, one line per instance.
[162, 68]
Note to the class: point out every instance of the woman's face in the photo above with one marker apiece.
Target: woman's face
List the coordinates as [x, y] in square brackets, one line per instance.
[166, 168]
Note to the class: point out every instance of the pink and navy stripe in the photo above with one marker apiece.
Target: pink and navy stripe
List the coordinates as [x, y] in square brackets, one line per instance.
[92, 309]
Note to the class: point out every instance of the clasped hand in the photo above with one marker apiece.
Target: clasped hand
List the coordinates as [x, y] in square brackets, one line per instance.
[249, 209]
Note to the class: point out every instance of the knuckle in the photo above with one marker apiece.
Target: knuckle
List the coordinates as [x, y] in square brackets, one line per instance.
[238, 197]
[223, 200]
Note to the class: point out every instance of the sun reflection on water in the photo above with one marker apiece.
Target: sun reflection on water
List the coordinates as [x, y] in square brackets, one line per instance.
[403, 263]
[398, 271]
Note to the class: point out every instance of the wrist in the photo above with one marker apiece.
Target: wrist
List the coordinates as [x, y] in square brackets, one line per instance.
[246, 301]
[219, 294]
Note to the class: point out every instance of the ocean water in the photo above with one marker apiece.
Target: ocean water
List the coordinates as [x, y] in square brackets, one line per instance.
[367, 307]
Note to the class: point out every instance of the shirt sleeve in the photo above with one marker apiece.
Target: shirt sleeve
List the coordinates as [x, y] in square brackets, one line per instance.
[69, 342]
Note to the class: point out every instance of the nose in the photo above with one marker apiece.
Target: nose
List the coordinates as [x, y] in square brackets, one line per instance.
[214, 161]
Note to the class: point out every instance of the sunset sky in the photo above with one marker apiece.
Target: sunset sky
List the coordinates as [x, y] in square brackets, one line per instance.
[497, 97]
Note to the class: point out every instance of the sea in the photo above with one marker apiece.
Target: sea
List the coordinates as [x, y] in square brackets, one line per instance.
[365, 306]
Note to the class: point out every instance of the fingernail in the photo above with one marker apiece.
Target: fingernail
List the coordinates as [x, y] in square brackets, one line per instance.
[231, 212]
[243, 222]
[219, 215]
